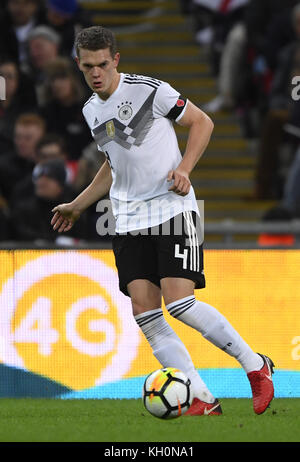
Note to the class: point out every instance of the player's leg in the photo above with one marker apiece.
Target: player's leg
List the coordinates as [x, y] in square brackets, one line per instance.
[145, 296]
[136, 260]
[216, 329]
[181, 270]
[208, 321]
[167, 347]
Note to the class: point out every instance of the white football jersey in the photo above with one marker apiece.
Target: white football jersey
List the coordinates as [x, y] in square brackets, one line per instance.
[134, 129]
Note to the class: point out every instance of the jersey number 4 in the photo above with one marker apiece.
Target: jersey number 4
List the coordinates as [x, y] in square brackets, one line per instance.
[183, 255]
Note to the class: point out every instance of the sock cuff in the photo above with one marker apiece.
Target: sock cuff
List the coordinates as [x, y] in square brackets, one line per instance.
[180, 306]
[148, 316]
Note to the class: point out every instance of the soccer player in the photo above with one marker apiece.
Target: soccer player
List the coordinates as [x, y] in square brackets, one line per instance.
[131, 119]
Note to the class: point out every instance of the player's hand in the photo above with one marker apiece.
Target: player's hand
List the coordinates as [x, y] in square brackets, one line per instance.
[64, 217]
[181, 184]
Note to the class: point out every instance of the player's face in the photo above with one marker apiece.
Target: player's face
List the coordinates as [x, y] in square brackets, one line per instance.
[100, 70]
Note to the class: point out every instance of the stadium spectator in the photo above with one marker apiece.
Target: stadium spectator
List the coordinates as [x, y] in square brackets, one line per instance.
[30, 218]
[280, 33]
[213, 21]
[16, 21]
[231, 63]
[64, 97]
[17, 163]
[250, 53]
[249, 58]
[43, 45]
[220, 27]
[268, 31]
[19, 98]
[53, 146]
[260, 18]
[67, 18]
[280, 112]
[50, 147]
[88, 165]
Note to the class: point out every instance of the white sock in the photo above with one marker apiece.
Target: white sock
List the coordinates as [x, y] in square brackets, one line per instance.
[170, 351]
[216, 329]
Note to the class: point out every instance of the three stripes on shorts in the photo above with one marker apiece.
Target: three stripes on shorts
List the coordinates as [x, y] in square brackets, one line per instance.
[193, 245]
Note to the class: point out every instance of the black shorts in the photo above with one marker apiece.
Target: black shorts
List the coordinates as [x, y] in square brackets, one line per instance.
[167, 250]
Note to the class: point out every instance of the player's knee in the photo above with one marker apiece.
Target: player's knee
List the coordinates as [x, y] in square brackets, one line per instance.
[176, 289]
[142, 306]
[144, 296]
[137, 308]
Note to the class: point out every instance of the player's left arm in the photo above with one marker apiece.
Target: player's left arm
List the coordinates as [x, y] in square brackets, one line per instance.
[200, 129]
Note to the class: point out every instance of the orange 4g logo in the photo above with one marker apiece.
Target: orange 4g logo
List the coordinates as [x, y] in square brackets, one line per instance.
[66, 319]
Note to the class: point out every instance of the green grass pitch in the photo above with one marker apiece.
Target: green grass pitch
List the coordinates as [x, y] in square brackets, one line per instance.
[50, 420]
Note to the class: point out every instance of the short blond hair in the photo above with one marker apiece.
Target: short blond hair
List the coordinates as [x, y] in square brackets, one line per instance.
[31, 118]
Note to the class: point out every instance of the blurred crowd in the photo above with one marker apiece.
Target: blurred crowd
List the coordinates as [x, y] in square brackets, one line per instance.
[254, 54]
[47, 155]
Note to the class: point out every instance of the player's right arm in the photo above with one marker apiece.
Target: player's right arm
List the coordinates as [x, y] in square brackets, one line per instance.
[65, 215]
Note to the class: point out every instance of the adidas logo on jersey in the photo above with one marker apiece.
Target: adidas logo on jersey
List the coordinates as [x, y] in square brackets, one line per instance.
[96, 122]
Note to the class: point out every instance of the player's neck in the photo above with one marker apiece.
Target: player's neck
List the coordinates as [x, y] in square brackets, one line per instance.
[114, 85]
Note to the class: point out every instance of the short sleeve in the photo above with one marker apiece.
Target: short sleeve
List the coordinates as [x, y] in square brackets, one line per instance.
[168, 103]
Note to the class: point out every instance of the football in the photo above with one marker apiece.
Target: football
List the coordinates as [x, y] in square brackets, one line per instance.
[167, 393]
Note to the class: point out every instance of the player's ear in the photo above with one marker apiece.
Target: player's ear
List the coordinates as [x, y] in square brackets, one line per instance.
[77, 61]
[116, 59]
